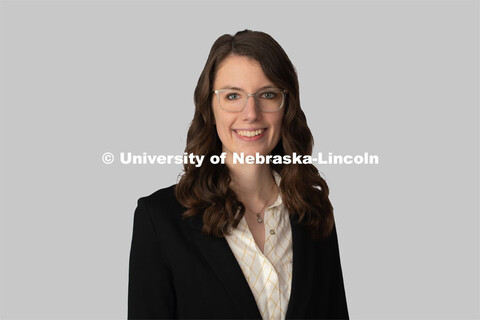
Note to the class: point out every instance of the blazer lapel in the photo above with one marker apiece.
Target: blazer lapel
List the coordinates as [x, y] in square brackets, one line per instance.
[220, 257]
[302, 273]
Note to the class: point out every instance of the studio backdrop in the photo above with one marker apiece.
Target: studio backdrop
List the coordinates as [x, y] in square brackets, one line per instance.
[87, 84]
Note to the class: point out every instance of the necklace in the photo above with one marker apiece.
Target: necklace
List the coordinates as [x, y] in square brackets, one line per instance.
[259, 218]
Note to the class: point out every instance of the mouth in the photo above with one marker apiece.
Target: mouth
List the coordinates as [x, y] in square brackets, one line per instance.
[250, 133]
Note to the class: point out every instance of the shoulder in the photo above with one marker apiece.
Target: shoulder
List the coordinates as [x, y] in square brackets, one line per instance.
[161, 204]
[160, 198]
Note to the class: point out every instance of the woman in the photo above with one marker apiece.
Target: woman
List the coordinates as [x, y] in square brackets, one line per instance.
[240, 240]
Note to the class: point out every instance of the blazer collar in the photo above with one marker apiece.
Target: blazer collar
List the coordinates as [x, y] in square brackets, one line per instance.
[222, 260]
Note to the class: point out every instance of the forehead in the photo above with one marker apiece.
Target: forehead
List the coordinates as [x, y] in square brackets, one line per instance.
[241, 72]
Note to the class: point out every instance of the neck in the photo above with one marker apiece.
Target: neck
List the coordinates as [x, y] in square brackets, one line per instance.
[253, 184]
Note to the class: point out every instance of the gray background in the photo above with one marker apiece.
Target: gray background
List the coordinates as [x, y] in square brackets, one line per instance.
[397, 79]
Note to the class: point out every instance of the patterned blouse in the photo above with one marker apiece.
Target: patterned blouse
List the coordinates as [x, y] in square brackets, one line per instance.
[269, 274]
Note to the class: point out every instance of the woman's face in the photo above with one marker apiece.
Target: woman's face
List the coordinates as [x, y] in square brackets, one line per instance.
[250, 130]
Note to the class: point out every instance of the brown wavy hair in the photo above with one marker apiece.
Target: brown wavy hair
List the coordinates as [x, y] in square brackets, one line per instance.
[205, 191]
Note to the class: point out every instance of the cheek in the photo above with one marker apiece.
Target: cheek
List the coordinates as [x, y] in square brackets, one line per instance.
[278, 123]
[278, 131]
[221, 132]
[222, 124]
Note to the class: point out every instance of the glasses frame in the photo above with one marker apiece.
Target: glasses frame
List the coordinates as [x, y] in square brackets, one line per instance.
[217, 92]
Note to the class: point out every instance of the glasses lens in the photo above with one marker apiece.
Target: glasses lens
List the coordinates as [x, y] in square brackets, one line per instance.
[232, 100]
[268, 100]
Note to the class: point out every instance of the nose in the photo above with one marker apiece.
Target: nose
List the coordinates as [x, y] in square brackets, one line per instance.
[251, 112]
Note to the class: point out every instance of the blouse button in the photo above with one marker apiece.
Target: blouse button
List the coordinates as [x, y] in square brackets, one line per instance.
[272, 231]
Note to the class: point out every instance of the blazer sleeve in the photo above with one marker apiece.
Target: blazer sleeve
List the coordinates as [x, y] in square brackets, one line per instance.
[151, 293]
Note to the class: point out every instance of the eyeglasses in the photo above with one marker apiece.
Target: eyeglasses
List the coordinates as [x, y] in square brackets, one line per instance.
[235, 100]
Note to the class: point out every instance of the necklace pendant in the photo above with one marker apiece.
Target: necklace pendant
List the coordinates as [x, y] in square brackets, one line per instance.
[259, 219]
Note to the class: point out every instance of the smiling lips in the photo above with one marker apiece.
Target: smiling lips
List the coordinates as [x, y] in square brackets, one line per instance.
[250, 133]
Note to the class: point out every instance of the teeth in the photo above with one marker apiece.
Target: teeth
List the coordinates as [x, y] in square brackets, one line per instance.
[250, 134]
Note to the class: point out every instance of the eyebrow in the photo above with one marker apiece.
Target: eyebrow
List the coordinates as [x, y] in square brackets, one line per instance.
[237, 88]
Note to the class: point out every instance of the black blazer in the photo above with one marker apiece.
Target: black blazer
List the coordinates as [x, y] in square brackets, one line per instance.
[177, 272]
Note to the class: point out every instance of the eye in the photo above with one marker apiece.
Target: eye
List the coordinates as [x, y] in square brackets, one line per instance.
[232, 96]
[268, 95]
